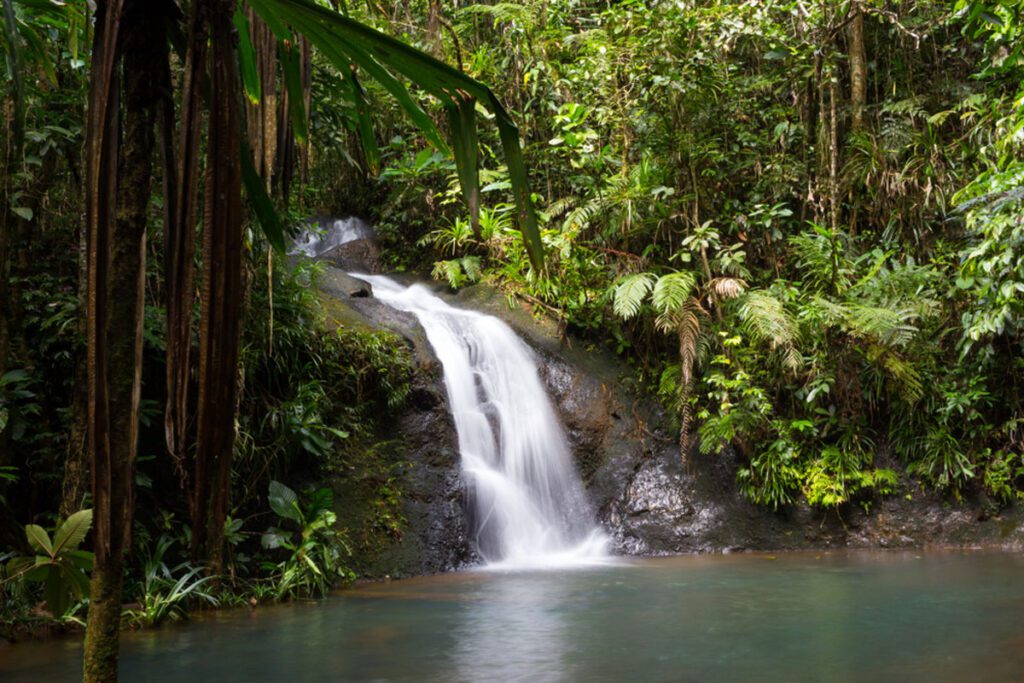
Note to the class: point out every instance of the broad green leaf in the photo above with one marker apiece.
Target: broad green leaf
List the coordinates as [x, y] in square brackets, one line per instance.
[72, 532]
[272, 539]
[520, 184]
[343, 55]
[260, 201]
[39, 539]
[323, 500]
[82, 559]
[283, 501]
[364, 123]
[74, 579]
[13, 376]
[55, 591]
[247, 58]
[466, 148]
[312, 564]
[291, 66]
[23, 212]
[19, 565]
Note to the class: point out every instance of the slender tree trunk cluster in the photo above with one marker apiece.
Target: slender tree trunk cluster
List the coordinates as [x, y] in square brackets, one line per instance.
[128, 96]
[110, 331]
[220, 317]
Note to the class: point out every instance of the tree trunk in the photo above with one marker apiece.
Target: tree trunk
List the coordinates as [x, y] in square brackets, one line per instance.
[220, 320]
[101, 637]
[118, 202]
[858, 70]
[179, 240]
[76, 465]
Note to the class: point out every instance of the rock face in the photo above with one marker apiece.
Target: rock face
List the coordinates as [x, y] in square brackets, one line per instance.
[641, 493]
[435, 538]
[420, 458]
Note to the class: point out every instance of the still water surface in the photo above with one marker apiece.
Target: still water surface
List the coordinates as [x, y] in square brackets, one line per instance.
[861, 616]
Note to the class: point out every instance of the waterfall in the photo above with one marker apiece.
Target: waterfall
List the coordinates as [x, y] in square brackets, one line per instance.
[528, 504]
[318, 239]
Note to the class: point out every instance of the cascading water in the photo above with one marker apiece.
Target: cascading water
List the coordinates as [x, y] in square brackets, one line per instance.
[529, 505]
[318, 239]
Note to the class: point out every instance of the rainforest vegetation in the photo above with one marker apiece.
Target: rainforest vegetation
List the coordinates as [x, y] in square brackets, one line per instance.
[801, 223]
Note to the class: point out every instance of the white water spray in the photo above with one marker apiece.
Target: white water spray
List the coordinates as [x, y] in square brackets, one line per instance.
[317, 240]
[529, 505]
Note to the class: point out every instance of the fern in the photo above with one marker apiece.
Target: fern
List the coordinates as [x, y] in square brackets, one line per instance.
[672, 291]
[502, 13]
[765, 320]
[823, 267]
[628, 296]
[727, 287]
[885, 325]
[688, 329]
[905, 375]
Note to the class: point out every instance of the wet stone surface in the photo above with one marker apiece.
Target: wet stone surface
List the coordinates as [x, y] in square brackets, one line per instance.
[630, 464]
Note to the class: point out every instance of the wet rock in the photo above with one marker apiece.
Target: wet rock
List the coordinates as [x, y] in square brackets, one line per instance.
[361, 255]
[418, 461]
[340, 285]
[630, 463]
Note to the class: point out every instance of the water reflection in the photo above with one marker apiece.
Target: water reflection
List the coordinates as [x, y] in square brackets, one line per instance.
[518, 633]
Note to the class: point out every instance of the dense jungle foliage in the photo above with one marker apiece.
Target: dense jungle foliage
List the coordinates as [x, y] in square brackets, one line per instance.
[800, 222]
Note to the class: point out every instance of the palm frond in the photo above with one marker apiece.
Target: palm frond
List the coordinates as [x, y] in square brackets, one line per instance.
[346, 42]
